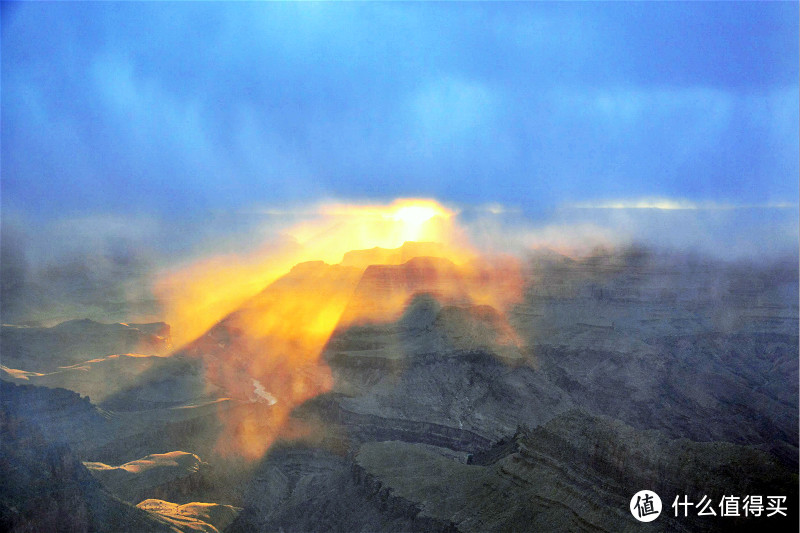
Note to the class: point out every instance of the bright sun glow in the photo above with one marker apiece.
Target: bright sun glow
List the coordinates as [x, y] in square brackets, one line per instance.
[413, 215]
[197, 296]
[367, 226]
[281, 304]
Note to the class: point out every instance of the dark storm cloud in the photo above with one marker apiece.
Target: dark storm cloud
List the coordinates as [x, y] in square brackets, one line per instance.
[179, 109]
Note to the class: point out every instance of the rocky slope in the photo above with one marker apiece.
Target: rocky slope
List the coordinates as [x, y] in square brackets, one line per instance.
[170, 476]
[703, 351]
[46, 488]
[98, 378]
[575, 473]
[195, 516]
[36, 349]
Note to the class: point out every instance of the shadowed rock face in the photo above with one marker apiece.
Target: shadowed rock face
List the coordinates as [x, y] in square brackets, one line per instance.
[713, 387]
[431, 368]
[574, 473]
[312, 489]
[63, 416]
[703, 351]
[384, 290]
[685, 380]
[46, 488]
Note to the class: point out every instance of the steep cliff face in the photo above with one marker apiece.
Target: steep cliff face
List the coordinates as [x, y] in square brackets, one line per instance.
[96, 435]
[446, 366]
[298, 488]
[634, 457]
[470, 391]
[46, 488]
[700, 384]
[700, 387]
[366, 427]
[62, 416]
[702, 350]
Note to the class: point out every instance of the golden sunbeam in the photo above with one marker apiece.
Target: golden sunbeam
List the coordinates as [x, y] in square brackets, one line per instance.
[261, 322]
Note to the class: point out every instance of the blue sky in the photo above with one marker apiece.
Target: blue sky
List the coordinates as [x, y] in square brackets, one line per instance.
[180, 112]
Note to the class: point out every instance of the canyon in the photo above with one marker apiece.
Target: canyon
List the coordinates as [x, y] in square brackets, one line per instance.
[405, 392]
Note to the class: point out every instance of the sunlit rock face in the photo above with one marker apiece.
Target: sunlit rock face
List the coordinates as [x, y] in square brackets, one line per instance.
[172, 475]
[269, 350]
[194, 516]
[197, 296]
[384, 290]
[397, 256]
